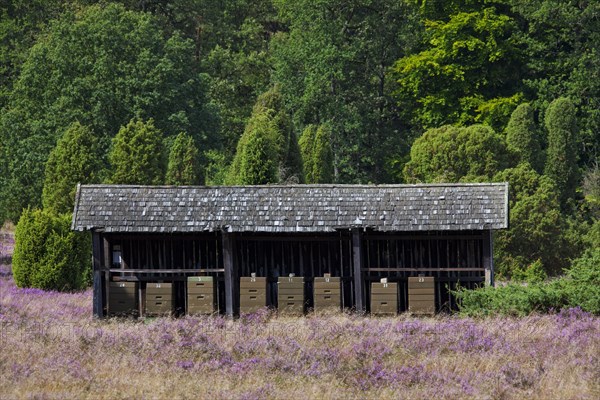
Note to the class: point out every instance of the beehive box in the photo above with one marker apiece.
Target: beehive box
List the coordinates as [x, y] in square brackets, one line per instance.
[290, 297]
[122, 297]
[253, 293]
[201, 295]
[384, 298]
[327, 292]
[421, 295]
[159, 298]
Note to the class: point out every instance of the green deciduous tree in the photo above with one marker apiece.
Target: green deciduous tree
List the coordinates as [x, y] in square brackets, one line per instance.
[75, 159]
[137, 155]
[48, 255]
[468, 72]
[561, 160]
[452, 154]
[183, 166]
[101, 66]
[317, 156]
[522, 137]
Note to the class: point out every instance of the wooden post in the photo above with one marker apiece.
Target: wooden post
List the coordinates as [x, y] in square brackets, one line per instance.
[357, 264]
[488, 257]
[98, 299]
[227, 241]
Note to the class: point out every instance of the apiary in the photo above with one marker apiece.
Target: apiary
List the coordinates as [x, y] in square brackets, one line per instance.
[201, 295]
[290, 296]
[159, 298]
[253, 293]
[384, 298]
[122, 297]
[327, 292]
[421, 295]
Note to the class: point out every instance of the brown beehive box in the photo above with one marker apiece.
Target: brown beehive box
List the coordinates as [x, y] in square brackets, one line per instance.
[253, 293]
[159, 298]
[384, 298]
[201, 295]
[327, 292]
[421, 295]
[122, 297]
[290, 296]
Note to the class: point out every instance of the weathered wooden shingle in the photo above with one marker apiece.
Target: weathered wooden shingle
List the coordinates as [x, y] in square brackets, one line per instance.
[299, 208]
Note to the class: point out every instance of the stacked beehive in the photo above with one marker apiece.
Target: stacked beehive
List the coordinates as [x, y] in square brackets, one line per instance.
[384, 298]
[421, 295]
[327, 293]
[201, 295]
[290, 296]
[159, 298]
[122, 297]
[253, 293]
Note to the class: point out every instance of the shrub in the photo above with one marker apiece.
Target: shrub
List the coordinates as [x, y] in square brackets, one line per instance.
[580, 287]
[48, 255]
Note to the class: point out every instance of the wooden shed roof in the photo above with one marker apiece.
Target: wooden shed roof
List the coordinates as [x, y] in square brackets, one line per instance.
[298, 208]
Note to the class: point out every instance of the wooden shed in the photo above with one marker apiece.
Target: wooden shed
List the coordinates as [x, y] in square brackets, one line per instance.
[359, 233]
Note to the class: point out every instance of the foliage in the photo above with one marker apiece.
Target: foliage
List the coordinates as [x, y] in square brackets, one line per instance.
[522, 137]
[74, 160]
[561, 162]
[48, 255]
[183, 165]
[579, 288]
[101, 66]
[452, 154]
[137, 155]
[465, 74]
[257, 155]
[536, 224]
[317, 155]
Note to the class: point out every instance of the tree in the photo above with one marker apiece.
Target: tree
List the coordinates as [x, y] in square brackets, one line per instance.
[74, 160]
[48, 255]
[522, 137]
[452, 154]
[561, 161]
[182, 168]
[101, 66]
[137, 155]
[256, 158]
[333, 65]
[468, 72]
[537, 226]
[317, 155]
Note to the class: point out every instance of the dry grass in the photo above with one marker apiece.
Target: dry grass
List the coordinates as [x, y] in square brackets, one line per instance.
[52, 348]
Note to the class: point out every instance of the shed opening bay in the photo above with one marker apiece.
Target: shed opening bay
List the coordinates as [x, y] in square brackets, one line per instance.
[357, 234]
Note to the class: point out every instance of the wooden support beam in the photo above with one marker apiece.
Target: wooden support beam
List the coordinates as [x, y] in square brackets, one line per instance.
[98, 298]
[488, 257]
[359, 295]
[228, 266]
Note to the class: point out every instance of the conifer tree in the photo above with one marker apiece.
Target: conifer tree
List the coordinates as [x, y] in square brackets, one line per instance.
[137, 155]
[74, 160]
[317, 155]
[522, 137]
[182, 168]
[561, 161]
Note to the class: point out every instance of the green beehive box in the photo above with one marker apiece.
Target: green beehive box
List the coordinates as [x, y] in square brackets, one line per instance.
[159, 298]
[201, 295]
[253, 293]
[290, 297]
[384, 298]
[421, 295]
[122, 298]
[327, 292]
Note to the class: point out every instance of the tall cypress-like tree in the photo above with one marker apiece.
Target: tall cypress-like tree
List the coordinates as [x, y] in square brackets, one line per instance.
[522, 137]
[317, 155]
[75, 159]
[561, 160]
[137, 155]
[182, 168]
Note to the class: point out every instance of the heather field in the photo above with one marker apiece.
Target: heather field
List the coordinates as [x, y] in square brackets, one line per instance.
[52, 348]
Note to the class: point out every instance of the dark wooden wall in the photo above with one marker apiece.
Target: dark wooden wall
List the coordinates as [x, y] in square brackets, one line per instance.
[452, 258]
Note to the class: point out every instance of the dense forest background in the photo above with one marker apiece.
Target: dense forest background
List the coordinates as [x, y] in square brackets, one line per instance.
[311, 91]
